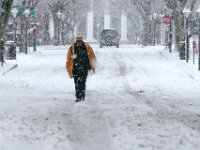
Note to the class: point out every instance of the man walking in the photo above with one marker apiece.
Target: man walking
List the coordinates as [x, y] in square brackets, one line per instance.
[80, 59]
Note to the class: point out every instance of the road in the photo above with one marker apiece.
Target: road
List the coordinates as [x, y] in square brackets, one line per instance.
[141, 98]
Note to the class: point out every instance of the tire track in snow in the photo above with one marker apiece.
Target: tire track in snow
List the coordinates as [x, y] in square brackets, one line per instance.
[88, 126]
[123, 73]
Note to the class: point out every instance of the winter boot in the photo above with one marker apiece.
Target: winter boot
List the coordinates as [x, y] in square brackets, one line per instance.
[83, 98]
[78, 100]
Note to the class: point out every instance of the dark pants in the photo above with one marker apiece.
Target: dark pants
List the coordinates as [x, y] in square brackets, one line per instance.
[80, 85]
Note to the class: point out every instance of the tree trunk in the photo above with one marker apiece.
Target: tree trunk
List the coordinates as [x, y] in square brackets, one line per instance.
[146, 36]
[179, 29]
[54, 9]
[56, 26]
[7, 5]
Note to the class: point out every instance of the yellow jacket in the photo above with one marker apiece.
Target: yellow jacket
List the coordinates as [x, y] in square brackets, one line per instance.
[70, 60]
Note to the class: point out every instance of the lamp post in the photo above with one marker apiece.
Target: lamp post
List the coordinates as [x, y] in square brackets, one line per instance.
[26, 13]
[59, 15]
[155, 15]
[14, 12]
[34, 31]
[170, 32]
[198, 14]
[186, 13]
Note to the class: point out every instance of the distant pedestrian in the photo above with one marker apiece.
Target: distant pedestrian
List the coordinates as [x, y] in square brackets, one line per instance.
[169, 44]
[80, 59]
[195, 47]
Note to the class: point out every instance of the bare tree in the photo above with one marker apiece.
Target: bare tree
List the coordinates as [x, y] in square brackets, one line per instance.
[177, 7]
[139, 12]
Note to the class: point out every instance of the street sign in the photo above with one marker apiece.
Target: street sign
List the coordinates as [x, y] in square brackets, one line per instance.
[34, 31]
[166, 20]
[20, 11]
[32, 13]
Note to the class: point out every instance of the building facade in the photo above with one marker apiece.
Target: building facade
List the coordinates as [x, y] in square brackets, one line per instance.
[103, 17]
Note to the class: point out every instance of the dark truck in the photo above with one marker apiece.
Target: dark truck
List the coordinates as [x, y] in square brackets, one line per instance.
[109, 37]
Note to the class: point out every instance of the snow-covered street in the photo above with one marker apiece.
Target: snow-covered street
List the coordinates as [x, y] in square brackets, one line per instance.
[141, 98]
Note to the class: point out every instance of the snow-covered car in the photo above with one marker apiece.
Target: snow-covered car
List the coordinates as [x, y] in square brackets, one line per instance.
[109, 37]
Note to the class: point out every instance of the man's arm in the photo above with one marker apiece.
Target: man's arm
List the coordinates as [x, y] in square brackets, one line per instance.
[69, 62]
[92, 57]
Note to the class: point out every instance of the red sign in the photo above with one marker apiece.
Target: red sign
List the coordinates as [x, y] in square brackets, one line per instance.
[34, 32]
[166, 20]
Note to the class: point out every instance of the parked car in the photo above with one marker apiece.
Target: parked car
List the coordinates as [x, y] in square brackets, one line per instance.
[109, 37]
